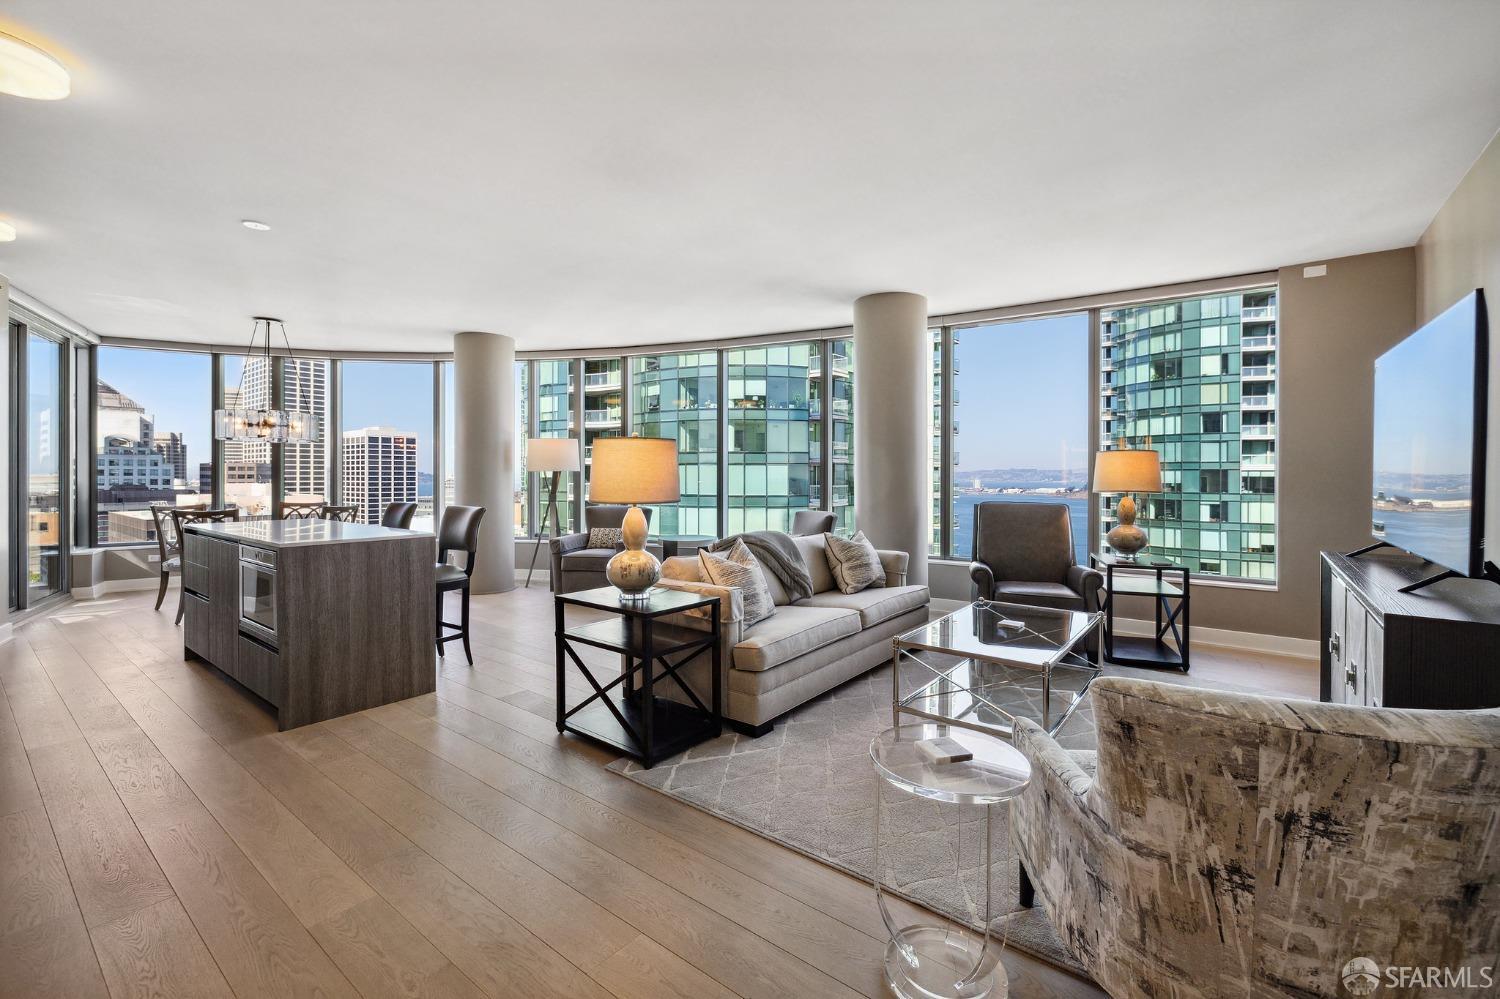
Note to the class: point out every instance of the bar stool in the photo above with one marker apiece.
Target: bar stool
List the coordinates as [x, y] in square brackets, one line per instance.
[398, 515]
[459, 531]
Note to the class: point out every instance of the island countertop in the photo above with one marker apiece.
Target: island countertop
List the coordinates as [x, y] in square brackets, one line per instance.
[296, 533]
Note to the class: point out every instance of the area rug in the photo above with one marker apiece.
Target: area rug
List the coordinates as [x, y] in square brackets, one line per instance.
[810, 785]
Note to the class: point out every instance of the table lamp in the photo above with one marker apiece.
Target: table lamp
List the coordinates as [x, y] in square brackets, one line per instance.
[1126, 471]
[634, 470]
[555, 455]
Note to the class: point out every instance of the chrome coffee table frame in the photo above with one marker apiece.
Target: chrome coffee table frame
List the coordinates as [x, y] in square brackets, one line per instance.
[1048, 639]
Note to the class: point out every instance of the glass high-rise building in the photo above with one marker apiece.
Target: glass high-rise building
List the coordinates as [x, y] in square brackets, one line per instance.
[772, 450]
[1195, 379]
[676, 396]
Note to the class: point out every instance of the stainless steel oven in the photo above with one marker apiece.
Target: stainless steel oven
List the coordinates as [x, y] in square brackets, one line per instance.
[258, 593]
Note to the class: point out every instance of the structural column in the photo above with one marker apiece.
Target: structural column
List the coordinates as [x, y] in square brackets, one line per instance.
[892, 435]
[484, 409]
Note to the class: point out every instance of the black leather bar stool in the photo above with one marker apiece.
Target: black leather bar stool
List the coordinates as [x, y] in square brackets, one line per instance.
[459, 531]
[398, 515]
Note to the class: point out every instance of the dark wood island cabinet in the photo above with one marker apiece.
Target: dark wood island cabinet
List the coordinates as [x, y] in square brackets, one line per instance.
[316, 618]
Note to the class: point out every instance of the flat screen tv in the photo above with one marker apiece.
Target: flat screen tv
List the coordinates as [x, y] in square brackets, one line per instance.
[1430, 398]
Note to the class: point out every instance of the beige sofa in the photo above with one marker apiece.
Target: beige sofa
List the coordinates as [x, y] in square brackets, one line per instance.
[804, 648]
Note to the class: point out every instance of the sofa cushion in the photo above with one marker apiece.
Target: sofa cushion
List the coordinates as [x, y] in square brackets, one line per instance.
[791, 632]
[814, 555]
[606, 537]
[854, 562]
[587, 559]
[686, 567]
[875, 604]
[1039, 594]
[740, 569]
[779, 595]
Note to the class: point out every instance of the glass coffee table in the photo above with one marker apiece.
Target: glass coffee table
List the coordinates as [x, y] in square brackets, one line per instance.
[991, 662]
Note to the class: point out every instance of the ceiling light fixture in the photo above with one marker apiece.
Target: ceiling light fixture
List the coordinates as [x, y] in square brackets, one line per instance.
[270, 424]
[27, 71]
[7, 233]
[257, 226]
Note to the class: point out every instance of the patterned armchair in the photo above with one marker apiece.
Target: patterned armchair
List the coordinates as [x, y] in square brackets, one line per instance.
[1234, 845]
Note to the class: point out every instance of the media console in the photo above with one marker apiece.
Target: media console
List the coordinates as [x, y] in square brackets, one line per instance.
[1437, 647]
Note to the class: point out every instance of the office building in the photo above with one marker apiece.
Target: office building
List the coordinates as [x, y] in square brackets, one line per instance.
[379, 466]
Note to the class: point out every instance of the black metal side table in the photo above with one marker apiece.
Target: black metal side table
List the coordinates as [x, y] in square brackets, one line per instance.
[1170, 648]
[626, 713]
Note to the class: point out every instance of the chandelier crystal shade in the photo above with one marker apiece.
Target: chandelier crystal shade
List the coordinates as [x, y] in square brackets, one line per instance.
[266, 425]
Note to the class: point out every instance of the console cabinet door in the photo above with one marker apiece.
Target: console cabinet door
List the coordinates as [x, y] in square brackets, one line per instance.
[1374, 662]
[1338, 598]
[1353, 679]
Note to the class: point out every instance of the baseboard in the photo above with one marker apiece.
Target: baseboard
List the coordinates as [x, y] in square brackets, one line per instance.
[108, 586]
[1243, 641]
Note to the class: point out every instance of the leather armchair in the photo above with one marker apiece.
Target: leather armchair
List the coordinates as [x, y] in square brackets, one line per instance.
[1023, 554]
[576, 566]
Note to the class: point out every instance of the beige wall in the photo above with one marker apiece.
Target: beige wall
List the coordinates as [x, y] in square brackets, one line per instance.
[1460, 251]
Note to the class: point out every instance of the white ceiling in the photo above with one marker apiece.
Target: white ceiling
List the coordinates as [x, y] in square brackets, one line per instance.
[611, 172]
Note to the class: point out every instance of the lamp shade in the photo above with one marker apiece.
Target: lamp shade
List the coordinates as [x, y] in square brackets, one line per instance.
[1126, 470]
[552, 454]
[634, 470]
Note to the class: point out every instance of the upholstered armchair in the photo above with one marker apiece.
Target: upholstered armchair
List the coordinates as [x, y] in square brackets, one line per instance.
[806, 522]
[576, 566]
[1023, 554]
[1235, 845]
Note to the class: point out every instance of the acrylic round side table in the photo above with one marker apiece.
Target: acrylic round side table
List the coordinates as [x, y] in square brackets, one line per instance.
[945, 960]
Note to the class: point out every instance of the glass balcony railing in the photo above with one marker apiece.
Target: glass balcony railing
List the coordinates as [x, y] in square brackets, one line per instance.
[1259, 431]
[597, 380]
[1257, 343]
[1258, 402]
[1258, 313]
[602, 417]
[1253, 372]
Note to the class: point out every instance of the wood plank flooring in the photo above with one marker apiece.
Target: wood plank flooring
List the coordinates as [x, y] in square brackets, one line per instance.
[158, 837]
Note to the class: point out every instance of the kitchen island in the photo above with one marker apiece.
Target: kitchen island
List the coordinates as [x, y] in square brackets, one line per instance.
[316, 618]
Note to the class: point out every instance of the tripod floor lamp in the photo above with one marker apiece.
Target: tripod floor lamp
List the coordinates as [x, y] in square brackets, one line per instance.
[556, 455]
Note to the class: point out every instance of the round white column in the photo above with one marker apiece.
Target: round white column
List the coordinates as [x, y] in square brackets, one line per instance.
[892, 439]
[484, 460]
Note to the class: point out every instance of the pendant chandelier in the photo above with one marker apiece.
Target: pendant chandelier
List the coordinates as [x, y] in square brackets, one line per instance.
[267, 425]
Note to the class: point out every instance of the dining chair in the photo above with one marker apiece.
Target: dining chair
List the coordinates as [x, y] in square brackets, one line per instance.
[398, 515]
[168, 546]
[301, 511]
[342, 514]
[181, 518]
[459, 531]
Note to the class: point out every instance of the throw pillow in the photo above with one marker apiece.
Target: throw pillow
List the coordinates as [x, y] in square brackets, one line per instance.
[738, 567]
[606, 537]
[853, 562]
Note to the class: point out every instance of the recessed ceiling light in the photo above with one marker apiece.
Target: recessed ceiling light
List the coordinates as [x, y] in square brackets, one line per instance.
[7, 232]
[252, 224]
[27, 71]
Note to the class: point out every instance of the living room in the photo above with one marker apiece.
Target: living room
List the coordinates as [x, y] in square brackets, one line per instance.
[820, 499]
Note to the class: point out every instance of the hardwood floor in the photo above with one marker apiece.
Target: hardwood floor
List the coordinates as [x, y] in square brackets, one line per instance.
[159, 837]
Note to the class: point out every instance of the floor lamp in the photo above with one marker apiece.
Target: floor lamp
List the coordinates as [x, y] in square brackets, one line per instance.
[556, 455]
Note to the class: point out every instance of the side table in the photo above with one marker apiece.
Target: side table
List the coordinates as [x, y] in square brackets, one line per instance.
[936, 960]
[626, 713]
[1172, 599]
[671, 543]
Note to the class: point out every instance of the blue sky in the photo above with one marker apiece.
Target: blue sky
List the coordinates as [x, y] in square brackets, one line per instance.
[1424, 395]
[1023, 394]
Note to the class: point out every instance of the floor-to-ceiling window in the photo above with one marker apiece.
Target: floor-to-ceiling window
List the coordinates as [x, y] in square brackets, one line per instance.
[1195, 379]
[839, 388]
[305, 387]
[1027, 420]
[603, 406]
[153, 417]
[386, 438]
[676, 396]
[556, 401]
[246, 469]
[771, 450]
[45, 530]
